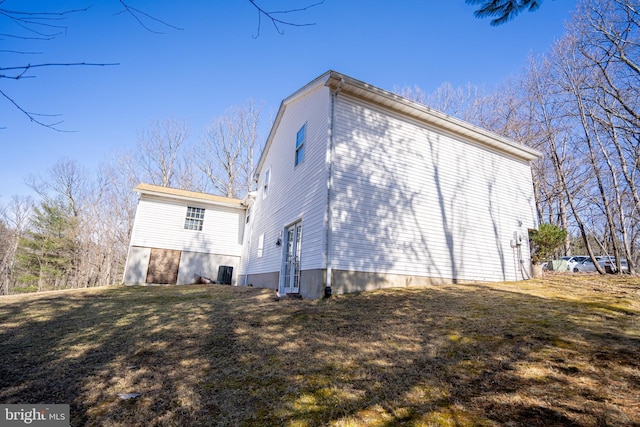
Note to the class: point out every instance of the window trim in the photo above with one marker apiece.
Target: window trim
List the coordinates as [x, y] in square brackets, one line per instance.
[194, 218]
[300, 145]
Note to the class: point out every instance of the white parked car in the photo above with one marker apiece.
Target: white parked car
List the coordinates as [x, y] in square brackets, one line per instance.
[587, 265]
[573, 260]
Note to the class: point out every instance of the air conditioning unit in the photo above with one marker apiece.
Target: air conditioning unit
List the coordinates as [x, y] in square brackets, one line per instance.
[225, 274]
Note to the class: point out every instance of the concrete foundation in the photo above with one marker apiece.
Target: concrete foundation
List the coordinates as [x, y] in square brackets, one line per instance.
[137, 266]
[196, 264]
[192, 266]
[312, 282]
[261, 280]
[344, 282]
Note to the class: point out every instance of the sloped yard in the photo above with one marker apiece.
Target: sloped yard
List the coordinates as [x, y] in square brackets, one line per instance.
[564, 350]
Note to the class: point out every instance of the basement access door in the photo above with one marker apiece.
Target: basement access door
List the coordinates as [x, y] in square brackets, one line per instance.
[163, 266]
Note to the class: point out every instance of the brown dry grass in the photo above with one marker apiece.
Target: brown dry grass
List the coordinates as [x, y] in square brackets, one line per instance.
[563, 350]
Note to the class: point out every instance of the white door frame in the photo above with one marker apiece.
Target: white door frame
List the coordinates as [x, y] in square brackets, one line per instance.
[291, 250]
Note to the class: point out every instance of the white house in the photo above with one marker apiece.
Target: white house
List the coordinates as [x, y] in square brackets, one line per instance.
[358, 188]
[179, 236]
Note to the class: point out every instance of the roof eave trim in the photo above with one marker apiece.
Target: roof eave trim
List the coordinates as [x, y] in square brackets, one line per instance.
[189, 199]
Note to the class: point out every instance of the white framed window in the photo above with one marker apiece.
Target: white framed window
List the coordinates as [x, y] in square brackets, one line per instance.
[194, 219]
[301, 137]
[261, 245]
[267, 181]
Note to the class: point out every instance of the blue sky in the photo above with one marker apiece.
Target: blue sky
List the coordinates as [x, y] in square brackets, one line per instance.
[215, 62]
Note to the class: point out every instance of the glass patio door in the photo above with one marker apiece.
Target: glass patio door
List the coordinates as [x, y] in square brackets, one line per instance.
[291, 276]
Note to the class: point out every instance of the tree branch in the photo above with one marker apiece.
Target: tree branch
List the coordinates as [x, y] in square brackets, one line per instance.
[24, 68]
[32, 116]
[21, 75]
[33, 21]
[139, 15]
[277, 22]
[19, 52]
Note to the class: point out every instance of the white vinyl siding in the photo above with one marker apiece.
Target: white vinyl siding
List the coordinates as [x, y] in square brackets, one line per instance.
[160, 223]
[412, 200]
[296, 192]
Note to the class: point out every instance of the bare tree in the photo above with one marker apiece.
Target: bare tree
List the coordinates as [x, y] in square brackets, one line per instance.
[67, 181]
[117, 178]
[546, 86]
[13, 222]
[159, 150]
[63, 217]
[81, 231]
[607, 40]
[227, 152]
[461, 102]
[611, 45]
[582, 104]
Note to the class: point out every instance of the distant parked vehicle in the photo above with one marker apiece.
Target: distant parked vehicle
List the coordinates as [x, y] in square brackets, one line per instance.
[573, 260]
[610, 265]
[587, 265]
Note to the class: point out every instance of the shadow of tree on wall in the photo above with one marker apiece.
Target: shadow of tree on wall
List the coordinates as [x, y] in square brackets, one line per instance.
[408, 200]
[219, 355]
[495, 222]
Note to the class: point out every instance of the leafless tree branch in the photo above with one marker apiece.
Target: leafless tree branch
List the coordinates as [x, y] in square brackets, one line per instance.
[43, 26]
[22, 69]
[33, 116]
[47, 26]
[279, 23]
[19, 52]
[140, 16]
[37, 22]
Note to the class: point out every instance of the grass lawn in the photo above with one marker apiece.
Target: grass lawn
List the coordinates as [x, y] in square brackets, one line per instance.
[563, 350]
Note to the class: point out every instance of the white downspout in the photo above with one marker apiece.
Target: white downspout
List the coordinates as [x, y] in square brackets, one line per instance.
[247, 249]
[329, 237]
[247, 252]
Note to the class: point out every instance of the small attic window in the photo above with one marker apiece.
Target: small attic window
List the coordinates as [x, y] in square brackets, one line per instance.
[301, 137]
[195, 219]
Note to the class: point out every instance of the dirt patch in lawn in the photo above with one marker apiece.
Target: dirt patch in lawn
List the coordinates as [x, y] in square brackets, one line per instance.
[562, 350]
